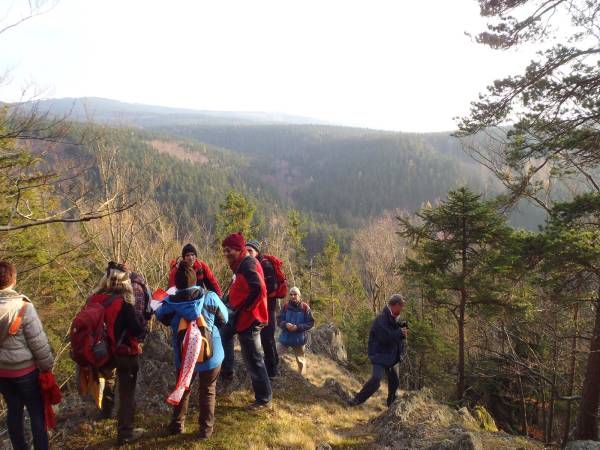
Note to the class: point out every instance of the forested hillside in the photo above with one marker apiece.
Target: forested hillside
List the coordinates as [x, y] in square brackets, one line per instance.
[346, 175]
[338, 175]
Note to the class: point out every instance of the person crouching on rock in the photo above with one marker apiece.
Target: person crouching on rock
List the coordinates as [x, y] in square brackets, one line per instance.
[188, 304]
[386, 349]
[295, 319]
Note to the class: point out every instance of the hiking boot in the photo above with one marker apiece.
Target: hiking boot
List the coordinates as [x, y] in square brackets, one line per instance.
[135, 435]
[175, 429]
[258, 406]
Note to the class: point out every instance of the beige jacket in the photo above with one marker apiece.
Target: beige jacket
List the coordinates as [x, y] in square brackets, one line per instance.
[30, 345]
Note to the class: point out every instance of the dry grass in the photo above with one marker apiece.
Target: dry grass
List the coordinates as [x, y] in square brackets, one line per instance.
[304, 415]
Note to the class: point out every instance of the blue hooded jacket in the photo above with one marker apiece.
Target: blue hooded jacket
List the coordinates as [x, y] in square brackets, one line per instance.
[189, 304]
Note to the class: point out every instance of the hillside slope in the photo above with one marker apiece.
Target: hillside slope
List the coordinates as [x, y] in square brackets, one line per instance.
[347, 175]
[307, 412]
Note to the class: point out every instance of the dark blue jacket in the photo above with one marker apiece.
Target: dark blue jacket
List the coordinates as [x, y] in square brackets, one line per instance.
[297, 314]
[386, 341]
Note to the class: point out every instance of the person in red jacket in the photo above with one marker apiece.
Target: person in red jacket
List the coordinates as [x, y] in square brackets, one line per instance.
[247, 299]
[204, 275]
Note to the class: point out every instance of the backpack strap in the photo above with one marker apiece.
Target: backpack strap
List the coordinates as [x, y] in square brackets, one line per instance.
[16, 323]
[109, 301]
[106, 304]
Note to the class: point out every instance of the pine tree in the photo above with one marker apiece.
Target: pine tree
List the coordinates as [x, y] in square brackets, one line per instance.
[235, 214]
[573, 247]
[329, 268]
[458, 257]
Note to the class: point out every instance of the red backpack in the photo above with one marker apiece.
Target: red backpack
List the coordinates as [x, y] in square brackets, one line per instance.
[282, 285]
[92, 343]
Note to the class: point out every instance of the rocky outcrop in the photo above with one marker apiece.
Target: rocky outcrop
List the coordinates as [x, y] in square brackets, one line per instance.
[417, 421]
[328, 340]
[583, 445]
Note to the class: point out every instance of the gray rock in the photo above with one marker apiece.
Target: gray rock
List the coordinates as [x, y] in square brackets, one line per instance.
[157, 346]
[336, 388]
[446, 444]
[467, 441]
[328, 340]
[583, 445]
[323, 446]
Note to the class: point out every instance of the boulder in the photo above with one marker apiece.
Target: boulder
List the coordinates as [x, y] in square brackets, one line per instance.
[467, 441]
[157, 346]
[328, 340]
[336, 388]
[583, 445]
[467, 419]
[485, 419]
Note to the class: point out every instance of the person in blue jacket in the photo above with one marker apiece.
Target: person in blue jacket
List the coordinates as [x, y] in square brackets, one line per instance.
[295, 319]
[386, 349]
[188, 302]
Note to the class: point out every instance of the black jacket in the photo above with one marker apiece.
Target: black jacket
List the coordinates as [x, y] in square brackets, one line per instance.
[386, 340]
[270, 275]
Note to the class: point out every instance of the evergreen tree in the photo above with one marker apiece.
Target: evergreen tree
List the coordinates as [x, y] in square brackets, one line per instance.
[329, 268]
[235, 215]
[295, 234]
[458, 257]
[573, 248]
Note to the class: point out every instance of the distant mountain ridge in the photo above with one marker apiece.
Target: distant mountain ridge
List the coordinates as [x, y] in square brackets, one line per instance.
[105, 110]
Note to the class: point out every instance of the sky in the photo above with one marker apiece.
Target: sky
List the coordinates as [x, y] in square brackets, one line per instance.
[386, 64]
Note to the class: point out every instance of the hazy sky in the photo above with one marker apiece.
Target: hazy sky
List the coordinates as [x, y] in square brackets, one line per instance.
[393, 64]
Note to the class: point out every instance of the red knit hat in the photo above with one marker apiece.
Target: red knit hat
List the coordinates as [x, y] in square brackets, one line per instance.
[235, 241]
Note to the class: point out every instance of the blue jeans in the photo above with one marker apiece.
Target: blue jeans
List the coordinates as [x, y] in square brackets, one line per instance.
[253, 359]
[372, 385]
[19, 393]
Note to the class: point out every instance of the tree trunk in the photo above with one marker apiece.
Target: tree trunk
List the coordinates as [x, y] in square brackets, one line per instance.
[572, 370]
[524, 425]
[544, 414]
[460, 385]
[587, 418]
[550, 433]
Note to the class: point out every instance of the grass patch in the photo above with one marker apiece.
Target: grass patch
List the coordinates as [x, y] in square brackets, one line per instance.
[304, 415]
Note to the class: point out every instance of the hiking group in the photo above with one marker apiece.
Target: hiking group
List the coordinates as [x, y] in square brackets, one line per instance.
[107, 333]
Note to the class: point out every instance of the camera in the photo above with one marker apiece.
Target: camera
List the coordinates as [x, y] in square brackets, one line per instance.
[403, 324]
